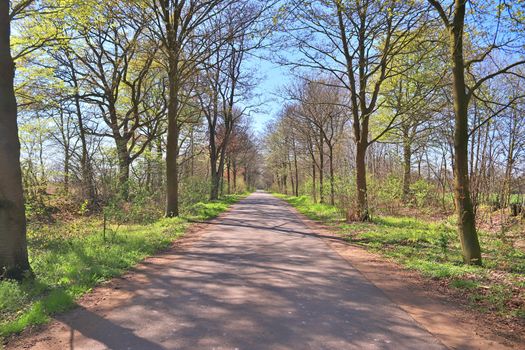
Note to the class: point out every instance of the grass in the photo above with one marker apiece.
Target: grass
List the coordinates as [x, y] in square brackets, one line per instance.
[433, 249]
[70, 259]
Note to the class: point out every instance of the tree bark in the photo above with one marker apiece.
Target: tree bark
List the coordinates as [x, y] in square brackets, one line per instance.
[215, 176]
[407, 165]
[296, 172]
[234, 176]
[314, 191]
[14, 262]
[228, 170]
[124, 162]
[332, 176]
[321, 169]
[464, 208]
[361, 186]
[173, 129]
[172, 156]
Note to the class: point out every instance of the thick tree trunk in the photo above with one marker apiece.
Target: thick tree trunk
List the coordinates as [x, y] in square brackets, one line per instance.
[215, 176]
[172, 169]
[124, 162]
[13, 245]
[361, 187]
[465, 211]
[215, 185]
[172, 151]
[215, 179]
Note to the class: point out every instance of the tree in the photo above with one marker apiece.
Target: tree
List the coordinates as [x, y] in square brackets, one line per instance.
[180, 26]
[14, 261]
[463, 94]
[321, 104]
[116, 60]
[224, 82]
[414, 95]
[356, 42]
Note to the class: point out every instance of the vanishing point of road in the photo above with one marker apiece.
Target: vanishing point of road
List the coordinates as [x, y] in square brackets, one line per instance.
[256, 278]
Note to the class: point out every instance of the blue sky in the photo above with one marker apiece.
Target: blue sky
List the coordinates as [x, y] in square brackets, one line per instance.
[272, 78]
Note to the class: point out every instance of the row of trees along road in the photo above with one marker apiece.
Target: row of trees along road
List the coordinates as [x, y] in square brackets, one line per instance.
[425, 74]
[134, 99]
[106, 90]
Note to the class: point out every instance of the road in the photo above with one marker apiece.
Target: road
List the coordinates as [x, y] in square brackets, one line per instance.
[257, 278]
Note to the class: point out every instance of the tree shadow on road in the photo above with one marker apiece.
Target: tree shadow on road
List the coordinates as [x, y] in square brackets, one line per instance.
[96, 328]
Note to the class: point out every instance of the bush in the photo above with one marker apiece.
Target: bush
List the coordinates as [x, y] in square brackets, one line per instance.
[193, 190]
[424, 193]
[385, 193]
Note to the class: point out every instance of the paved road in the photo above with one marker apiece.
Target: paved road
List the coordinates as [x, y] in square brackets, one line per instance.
[257, 279]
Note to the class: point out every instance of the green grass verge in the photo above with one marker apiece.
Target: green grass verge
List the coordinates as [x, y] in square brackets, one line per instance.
[433, 249]
[70, 259]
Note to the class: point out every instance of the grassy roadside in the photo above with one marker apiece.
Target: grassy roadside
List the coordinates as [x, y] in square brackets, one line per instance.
[70, 259]
[433, 249]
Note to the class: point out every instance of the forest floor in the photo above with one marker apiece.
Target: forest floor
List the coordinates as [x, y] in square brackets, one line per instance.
[261, 277]
[427, 251]
[71, 257]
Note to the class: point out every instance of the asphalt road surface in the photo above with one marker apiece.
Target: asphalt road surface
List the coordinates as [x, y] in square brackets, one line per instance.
[257, 278]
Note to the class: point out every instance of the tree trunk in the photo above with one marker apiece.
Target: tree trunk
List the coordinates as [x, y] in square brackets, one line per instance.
[235, 176]
[123, 163]
[407, 166]
[228, 170]
[292, 176]
[332, 177]
[14, 262]
[362, 205]
[321, 171]
[465, 212]
[314, 191]
[285, 181]
[172, 149]
[296, 173]
[215, 186]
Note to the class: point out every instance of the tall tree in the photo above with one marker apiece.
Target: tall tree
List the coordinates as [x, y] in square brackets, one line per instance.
[14, 261]
[181, 29]
[355, 42]
[116, 60]
[453, 18]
